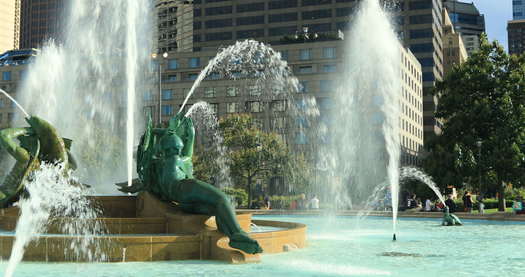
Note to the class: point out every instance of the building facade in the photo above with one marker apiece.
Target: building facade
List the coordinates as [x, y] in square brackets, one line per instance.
[468, 22]
[518, 9]
[516, 36]
[174, 26]
[8, 25]
[219, 23]
[454, 51]
[315, 64]
[39, 21]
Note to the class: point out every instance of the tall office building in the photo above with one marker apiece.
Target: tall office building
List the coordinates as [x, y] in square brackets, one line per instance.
[518, 9]
[7, 25]
[454, 51]
[40, 20]
[221, 22]
[174, 26]
[516, 35]
[468, 22]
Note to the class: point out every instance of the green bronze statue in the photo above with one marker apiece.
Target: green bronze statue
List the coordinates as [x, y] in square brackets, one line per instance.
[165, 169]
[37, 143]
[450, 219]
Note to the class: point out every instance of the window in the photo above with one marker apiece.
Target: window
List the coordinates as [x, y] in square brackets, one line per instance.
[250, 7]
[316, 14]
[428, 77]
[250, 20]
[219, 10]
[421, 19]
[232, 91]
[167, 110]
[250, 33]
[197, 12]
[1, 103]
[344, 11]
[10, 117]
[329, 53]
[172, 64]
[305, 54]
[278, 123]
[426, 61]
[219, 23]
[303, 86]
[209, 92]
[326, 85]
[279, 106]
[306, 69]
[282, 31]
[197, 25]
[167, 94]
[192, 76]
[194, 62]
[422, 47]
[255, 90]
[316, 2]
[282, 4]
[255, 106]
[171, 78]
[214, 107]
[421, 33]
[420, 5]
[284, 55]
[232, 107]
[6, 76]
[219, 36]
[282, 17]
[320, 28]
[329, 68]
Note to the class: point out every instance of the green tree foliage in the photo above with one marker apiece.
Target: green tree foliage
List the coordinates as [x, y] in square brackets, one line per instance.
[481, 100]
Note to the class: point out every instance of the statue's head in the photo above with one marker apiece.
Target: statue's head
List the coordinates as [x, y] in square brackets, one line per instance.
[171, 144]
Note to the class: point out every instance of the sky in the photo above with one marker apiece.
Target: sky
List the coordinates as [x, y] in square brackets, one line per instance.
[497, 13]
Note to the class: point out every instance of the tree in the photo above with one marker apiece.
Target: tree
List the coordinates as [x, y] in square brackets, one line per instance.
[483, 100]
[254, 154]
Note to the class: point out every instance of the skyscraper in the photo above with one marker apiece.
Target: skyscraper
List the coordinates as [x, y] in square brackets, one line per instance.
[516, 34]
[174, 25]
[518, 9]
[467, 21]
[40, 20]
[7, 25]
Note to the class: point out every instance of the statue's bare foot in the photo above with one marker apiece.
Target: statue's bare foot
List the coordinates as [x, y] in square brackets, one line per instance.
[243, 242]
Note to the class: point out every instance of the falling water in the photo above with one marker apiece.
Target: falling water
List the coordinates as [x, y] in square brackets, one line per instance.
[365, 148]
[414, 173]
[52, 195]
[207, 128]
[14, 101]
[82, 84]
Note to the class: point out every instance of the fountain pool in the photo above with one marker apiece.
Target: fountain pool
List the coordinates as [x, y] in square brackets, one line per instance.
[345, 246]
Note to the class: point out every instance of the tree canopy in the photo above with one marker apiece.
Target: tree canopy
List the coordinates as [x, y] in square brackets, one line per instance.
[482, 104]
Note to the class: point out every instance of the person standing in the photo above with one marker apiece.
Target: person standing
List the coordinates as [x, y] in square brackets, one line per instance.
[450, 204]
[428, 205]
[481, 205]
[314, 203]
[467, 202]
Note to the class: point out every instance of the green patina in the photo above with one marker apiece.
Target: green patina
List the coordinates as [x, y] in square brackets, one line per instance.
[36, 144]
[165, 169]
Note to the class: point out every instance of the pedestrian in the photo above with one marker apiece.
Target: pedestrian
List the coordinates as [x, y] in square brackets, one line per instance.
[428, 205]
[267, 202]
[481, 205]
[450, 204]
[467, 202]
[314, 203]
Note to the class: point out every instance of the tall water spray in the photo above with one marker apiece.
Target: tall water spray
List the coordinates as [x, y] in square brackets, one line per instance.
[365, 148]
[84, 84]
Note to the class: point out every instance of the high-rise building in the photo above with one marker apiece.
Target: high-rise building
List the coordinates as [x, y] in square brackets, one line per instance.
[174, 25]
[40, 20]
[7, 25]
[516, 35]
[454, 51]
[518, 9]
[468, 22]
[419, 24]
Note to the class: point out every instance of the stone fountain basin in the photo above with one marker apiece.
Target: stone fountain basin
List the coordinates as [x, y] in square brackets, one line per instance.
[142, 228]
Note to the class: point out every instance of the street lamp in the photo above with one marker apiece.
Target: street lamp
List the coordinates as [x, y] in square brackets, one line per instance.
[164, 56]
[478, 144]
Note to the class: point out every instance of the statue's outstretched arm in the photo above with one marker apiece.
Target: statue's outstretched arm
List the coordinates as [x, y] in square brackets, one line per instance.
[7, 141]
[52, 145]
[188, 138]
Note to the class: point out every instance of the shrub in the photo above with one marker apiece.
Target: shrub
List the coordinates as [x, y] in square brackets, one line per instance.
[240, 196]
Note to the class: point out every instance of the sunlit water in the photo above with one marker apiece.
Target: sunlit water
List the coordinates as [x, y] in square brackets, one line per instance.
[344, 246]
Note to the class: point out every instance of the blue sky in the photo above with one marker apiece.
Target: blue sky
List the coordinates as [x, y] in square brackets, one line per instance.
[497, 13]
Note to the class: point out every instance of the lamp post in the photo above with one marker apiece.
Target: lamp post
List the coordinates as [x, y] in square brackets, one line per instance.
[164, 56]
[478, 144]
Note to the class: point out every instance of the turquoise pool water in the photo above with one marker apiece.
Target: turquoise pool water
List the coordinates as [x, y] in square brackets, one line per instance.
[345, 246]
